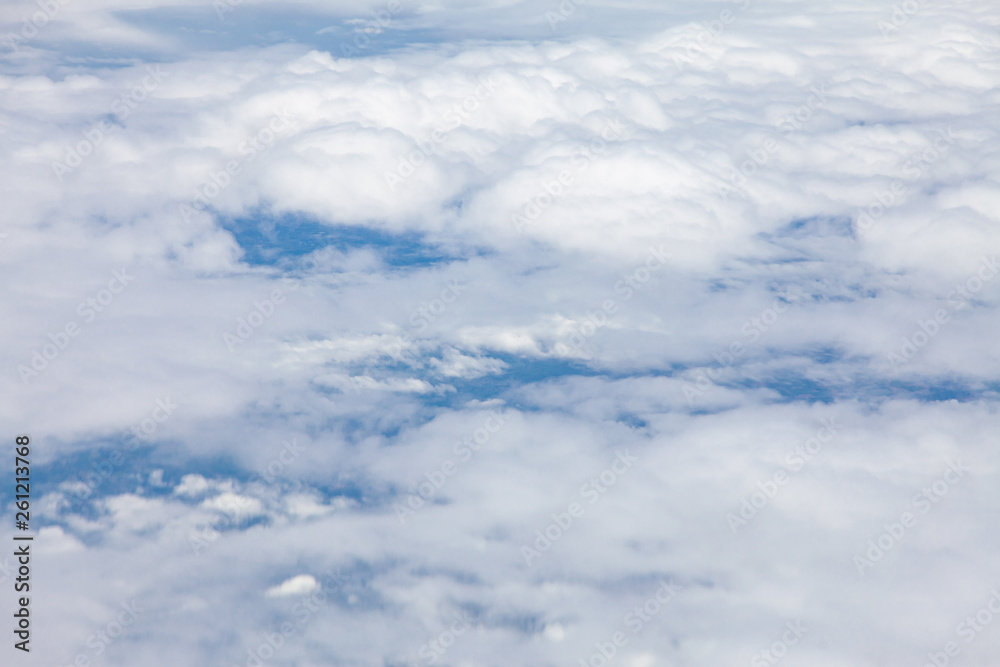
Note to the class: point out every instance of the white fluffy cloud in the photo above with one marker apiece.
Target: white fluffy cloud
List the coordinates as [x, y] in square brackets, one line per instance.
[302, 584]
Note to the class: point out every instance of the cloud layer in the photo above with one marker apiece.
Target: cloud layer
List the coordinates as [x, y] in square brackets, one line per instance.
[506, 333]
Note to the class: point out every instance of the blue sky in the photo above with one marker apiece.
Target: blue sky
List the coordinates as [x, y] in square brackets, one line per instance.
[453, 333]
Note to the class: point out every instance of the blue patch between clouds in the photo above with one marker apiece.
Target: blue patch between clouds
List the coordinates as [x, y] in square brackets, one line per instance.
[272, 241]
[814, 227]
[228, 26]
[793, 387]
[105, 475]
[520, 371]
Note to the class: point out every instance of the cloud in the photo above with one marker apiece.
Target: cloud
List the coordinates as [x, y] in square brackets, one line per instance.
[301, 584]
[192, 485]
